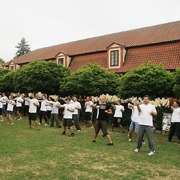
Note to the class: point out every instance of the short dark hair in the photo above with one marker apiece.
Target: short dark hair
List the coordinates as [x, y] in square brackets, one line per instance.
[146, 96]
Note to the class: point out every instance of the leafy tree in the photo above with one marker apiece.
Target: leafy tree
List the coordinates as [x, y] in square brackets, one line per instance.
[40, 76]
[176, 88]
[22, 48]
[7, 82]
[91, 79]
[1, 61]
[149, 79]
[3, 72]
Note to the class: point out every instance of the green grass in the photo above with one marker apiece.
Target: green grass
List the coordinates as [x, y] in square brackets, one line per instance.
[46, 154]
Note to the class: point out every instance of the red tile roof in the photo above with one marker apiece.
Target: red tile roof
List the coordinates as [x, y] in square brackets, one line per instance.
[149, 35]
[166, 54]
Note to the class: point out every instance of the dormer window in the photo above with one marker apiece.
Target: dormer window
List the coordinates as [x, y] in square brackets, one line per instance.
[62, 58]
[60, 61]
[116, 54]
[114, 58]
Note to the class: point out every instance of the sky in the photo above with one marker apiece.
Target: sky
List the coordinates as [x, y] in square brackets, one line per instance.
[45, 23]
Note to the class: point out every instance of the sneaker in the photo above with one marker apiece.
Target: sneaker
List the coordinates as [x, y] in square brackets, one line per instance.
[2, 120]
[152, 153]
[136, 150]
[63, 133]
[37, 129]
[130, 139]
[12, 123]
[78, 130]
[91, 127]
[143, 143]
[39, 123]
[46, 124]
[110, 144]
[94, 140]
[19, 118]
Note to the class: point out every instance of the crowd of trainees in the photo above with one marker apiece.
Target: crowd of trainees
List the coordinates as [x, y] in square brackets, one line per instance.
[141, 118]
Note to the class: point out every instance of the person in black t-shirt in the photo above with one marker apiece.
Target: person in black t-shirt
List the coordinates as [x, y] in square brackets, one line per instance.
[103, 109]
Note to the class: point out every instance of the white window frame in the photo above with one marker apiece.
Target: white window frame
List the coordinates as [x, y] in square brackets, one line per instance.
[109, 58]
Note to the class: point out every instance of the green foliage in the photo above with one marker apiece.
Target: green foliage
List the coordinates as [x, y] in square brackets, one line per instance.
[40, 76]
[91, 79]
[3, 72]
[147, 79]
[176, 88]
[22, 48]
[2, 61]
[7, 82]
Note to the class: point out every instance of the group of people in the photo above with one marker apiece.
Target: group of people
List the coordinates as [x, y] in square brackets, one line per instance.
[141, 118]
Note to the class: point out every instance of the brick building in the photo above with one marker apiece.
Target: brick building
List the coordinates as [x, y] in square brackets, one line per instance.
[118, 52]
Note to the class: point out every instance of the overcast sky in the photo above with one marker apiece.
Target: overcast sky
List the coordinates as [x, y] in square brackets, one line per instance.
[49, 22]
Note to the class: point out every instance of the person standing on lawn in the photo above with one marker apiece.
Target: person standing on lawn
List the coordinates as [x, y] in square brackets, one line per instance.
[119, 109]
[33, 104]
[88, 112]
[103, 110]
[43, 110]
[77, 107]
[147, 111]
[68, 115]
[9, 112]
[175, 121]
[1, 107]
[19, 100]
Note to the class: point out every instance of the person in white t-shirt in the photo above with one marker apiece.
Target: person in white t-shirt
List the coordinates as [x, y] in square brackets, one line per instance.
[147, 111]
[77, 107]
[119, 109]
[49, 108]
[19, 100]
[26, 105]
[1, 107]
[4, 104]
[134, 126]
[88, 112]
[54, 113]
[175, 121]
[9, 112]
[68, 115]
[33, 104]
[43, 111]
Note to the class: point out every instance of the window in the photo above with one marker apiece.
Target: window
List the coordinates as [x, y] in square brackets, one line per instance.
[114, 58]
[61, 61]
[11, 67]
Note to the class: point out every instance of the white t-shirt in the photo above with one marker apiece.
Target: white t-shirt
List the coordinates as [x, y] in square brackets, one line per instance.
[67, 113]
[43, 105]
[49, 106]
[118, 111]
[76, 105]
[135, 114]
[32, 107]
[55, 109]
[26, 102]
[10, 105]
[145, 115]
[1, 103]
[88, 105]
[19, 101]
[4, 99]
[176, 115]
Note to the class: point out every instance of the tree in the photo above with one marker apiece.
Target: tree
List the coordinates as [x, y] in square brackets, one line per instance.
[40, 76]
[3, 72]
[7, 82]
[22, 47]
[1, 61]
[91, 79]
[149, 79]
[176, 88]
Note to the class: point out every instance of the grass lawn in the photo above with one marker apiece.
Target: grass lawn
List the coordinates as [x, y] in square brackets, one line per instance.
[46, 154]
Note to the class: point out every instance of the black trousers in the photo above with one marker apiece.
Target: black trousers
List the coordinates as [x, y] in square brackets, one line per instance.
[43, 114]
[175, 128]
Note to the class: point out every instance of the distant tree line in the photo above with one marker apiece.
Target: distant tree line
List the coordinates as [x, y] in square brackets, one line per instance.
[92, 79]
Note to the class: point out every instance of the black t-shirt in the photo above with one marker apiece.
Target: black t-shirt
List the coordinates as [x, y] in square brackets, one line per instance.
[101, 112]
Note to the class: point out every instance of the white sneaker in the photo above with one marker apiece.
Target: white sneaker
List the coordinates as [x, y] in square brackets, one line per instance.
[12, 123]
[136, 150]
[19, 118]
[45, 124]
[152, 153]
[130, 139]
[2, 120]
[143, 143]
